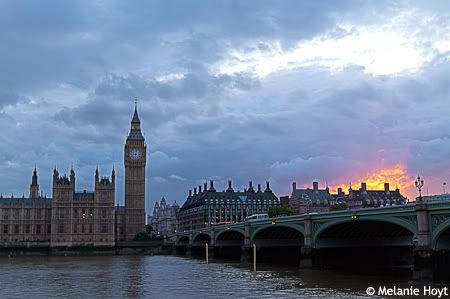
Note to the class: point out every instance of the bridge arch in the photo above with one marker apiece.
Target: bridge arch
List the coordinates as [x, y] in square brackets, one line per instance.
[279, 243]
[440, 234]
[298, 228]
[391, 220]
[182, 240]
[201, 238]
[230, 234]
[364, 243]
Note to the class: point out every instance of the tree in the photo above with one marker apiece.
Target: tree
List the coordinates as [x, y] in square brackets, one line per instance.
[142, 236]
[339, 206]
[149, 229]
[282, 210]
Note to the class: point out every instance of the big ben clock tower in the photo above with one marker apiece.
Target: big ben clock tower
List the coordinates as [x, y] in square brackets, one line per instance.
[134, 159]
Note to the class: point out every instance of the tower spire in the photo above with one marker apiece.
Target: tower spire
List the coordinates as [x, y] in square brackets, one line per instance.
[135, 131]
[136, 115]
[34, 186]
[97, 175]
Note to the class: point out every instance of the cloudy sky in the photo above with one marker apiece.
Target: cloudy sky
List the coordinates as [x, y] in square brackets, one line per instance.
[334, 91]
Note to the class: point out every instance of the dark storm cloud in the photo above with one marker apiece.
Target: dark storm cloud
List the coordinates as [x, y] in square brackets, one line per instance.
[43, 39]
[306, 123]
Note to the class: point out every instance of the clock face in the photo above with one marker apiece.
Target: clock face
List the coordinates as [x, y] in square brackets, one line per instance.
[135, 154]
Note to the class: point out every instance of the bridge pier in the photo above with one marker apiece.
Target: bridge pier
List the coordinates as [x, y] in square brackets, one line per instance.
[306, 258]
[189, 250]
[211, 253]
[423, 254]
[423, 265]
[306, 251]
[246, 256]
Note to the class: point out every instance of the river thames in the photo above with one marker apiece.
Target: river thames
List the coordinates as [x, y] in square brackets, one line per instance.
[173, 277]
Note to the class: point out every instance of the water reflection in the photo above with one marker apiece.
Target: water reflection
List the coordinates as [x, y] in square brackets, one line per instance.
[135, 273]
[172, 277]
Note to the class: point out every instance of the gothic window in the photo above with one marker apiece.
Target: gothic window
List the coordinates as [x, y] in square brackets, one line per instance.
[49, 228]
[91, 230]
[75, 228]
[103, 212]
[16, 229]
[5, 229]
[61, 212]
[75, 213]
[39, 214]
[38, 229]
[28, 214]
[104, 228]
[61, 228]
[6, 214]
[83, 213]
[17, 214]
[91, 213]
[83, 229]
[61, 195]
[27, 229]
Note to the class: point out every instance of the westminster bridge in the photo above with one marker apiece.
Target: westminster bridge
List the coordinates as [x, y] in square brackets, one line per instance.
[412, 235]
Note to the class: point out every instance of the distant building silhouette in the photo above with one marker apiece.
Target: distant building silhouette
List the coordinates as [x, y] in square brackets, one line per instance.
[321, 200]
[164, 219]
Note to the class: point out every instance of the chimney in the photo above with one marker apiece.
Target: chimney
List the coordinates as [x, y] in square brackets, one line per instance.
[386, 188]
[267, 187]
[211, 186]
[294, 186]
[250, 187]
[199, 188]
[315, 186]
[230, 189]
[259, 187]
[205, 186]
[190, 193]
[340, 193]
[195, 191]
[363, 187]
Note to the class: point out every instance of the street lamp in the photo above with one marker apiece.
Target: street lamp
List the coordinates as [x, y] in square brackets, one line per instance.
[419, 185]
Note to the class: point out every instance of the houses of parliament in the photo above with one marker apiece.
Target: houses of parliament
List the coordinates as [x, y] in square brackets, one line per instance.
[74, 218]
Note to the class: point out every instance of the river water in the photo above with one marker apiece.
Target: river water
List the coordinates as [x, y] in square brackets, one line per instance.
[173, 277]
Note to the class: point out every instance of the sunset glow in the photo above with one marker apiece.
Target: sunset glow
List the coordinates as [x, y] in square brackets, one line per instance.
[397, 177]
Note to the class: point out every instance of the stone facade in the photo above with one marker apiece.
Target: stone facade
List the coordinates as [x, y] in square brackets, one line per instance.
[82, 218]
[310, 200]
[70, 218]
[164, 219]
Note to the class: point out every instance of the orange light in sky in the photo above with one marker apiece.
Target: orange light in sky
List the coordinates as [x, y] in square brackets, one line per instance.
[396, 176]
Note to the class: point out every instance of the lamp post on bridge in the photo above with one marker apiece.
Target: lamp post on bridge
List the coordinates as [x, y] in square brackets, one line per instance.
[419, 184]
